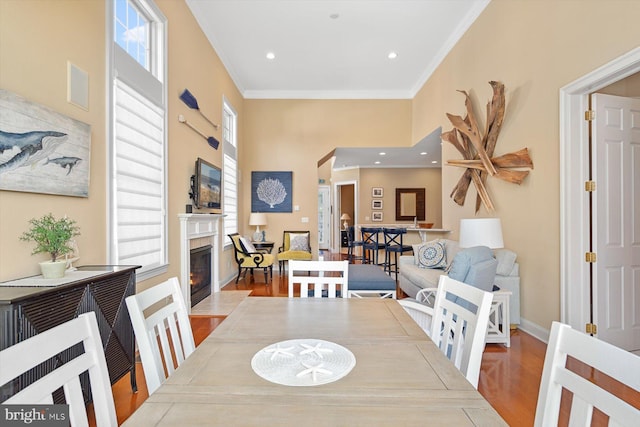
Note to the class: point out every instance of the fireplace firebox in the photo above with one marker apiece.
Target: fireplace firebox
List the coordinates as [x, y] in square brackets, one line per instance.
[200, 276]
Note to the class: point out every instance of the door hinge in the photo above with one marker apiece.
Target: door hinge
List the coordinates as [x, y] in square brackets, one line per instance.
[589, 115]
[591, 328]
[590, 257]
[590, 186]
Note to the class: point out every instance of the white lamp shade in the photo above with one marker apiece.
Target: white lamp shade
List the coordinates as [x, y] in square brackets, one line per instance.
[481, 232]
[345, 217]
[258, 219]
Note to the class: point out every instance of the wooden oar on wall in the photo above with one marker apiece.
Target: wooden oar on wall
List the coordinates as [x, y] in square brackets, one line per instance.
[210, 140]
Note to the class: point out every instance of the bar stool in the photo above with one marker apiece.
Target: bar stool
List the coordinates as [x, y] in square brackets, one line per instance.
[393, 245]
[352, 244]
[371, 245]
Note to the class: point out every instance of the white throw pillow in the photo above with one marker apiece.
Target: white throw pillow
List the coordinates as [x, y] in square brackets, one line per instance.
[506, 260]
[299, 242]
[247, 245]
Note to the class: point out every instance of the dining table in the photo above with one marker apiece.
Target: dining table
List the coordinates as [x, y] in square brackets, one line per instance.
[368, 364]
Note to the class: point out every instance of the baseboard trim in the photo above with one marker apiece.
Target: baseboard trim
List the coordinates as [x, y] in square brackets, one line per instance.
[534, 330]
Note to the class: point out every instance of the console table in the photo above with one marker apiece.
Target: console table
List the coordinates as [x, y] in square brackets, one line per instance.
[27, 310]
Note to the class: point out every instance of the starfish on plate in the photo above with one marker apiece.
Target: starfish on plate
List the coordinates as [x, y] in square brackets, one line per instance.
[315, 349]
[314, 371]
[279, 351]
[477, 150]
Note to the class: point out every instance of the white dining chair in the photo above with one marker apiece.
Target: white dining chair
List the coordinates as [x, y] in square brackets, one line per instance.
[599, 355]
[153, 312]
[459, 325]
[27, 354]
[319, 278]
[420, 313]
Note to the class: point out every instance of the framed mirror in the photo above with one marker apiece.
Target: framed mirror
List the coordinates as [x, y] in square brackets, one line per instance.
[410, 204]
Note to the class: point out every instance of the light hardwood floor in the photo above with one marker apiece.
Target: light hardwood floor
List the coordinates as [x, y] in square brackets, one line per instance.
[509, 377]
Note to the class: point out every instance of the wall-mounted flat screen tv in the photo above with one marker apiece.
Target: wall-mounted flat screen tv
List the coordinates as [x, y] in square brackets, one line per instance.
[206, 190]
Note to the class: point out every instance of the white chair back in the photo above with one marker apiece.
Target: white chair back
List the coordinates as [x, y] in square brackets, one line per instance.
[421, 313]
[25, 355]
[317, 276]
[151, 316]
[604, 357]
[456, 329]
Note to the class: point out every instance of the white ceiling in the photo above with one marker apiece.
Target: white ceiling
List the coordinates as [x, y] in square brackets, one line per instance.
[318, 56]
[321, 56]
[393, 157]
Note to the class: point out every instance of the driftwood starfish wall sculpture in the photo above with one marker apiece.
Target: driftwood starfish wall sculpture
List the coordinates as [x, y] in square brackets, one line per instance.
[477, 151]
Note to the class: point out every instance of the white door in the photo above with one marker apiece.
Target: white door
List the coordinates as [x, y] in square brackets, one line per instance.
[616, 218]
[324, 217]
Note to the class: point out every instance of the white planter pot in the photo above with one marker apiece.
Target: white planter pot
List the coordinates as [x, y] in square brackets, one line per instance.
[53, 270]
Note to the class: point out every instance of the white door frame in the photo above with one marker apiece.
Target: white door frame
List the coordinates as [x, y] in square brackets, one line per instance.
[326, 214]
[337, 226]
[574, 163]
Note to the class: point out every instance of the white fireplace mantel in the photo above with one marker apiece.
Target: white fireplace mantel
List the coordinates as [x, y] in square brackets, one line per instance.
[196, 228]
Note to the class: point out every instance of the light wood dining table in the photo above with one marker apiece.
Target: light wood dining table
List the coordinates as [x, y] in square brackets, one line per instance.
[400, 377]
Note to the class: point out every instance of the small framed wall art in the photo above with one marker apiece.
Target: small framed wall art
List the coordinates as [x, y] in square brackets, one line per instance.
[376, 204]
[377, 192]
[376, 216]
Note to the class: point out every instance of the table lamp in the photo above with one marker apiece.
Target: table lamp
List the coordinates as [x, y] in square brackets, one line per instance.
[258, 219]
[481, 232]
[345, 217]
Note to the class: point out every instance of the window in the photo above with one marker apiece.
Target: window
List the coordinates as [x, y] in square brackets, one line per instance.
[137, 140]
[230, 170]
[131, 31]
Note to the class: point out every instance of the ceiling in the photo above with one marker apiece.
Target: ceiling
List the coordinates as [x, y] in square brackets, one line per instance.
[427, 153]
[330, 49]
[333, 49]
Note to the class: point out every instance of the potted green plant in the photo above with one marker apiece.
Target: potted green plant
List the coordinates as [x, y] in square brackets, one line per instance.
[52, 236]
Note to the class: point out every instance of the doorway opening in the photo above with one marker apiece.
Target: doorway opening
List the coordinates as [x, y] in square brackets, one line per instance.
[574, 200]
[345, 197]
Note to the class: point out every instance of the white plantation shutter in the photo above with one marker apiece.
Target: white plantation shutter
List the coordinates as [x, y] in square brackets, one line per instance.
[230, 170]
[139, 180]
[137, 140]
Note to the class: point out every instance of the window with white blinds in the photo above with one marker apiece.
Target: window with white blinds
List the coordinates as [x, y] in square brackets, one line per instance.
[137, 168]
[230, 170]
[139, 180]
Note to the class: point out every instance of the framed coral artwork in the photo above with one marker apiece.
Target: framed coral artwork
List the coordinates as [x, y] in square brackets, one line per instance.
[271, 191]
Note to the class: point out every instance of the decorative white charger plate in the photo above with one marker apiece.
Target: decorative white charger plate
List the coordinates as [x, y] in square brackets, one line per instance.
[303, 362]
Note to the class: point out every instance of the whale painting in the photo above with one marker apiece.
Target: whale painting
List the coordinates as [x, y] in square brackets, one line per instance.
[42, 151]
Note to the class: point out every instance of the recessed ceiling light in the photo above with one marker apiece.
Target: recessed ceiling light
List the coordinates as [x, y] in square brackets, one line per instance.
[424, 153]
[434, 161]
[392, 55]
[271, 55]
[377, 162]
[334, 16]
[382, 153]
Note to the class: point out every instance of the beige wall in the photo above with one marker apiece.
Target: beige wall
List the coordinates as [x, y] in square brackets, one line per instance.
[292, 135]
[36, 39]
[629, 86]
[390, 179]
[534, 48]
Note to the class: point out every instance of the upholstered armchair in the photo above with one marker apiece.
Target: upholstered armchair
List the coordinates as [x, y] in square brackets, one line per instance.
[248, 258]
[295, 245]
